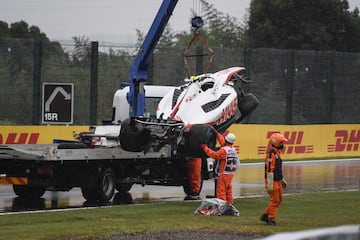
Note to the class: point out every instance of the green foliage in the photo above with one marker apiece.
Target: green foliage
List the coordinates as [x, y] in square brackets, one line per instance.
[220, 30]
[21, 30]
[315, 25]
[24, 47]
[282, 24]
[82, 51]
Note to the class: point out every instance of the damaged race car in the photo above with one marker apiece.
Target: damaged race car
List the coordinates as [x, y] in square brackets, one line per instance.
[189, 114]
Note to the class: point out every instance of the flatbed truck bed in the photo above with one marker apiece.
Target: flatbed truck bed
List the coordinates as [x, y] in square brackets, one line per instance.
[99, 171]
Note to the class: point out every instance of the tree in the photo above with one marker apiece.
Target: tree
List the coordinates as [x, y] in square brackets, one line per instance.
[4, 29]
[220, 30]
[291, 24]
[82, 51]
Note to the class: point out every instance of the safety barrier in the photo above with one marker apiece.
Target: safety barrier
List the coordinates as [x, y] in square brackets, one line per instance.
[38, 134]
[305, 141]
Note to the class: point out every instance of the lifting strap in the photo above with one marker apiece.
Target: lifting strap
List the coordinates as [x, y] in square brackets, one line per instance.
[197, 23]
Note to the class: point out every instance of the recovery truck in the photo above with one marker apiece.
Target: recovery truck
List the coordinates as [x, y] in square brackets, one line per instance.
[140, 148]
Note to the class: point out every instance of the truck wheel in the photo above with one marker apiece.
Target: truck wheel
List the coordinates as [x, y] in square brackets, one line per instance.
[107, 184]
[28, 191]
[104, 190]
[200, 134]
[133, 136]
[124, 187]
[90, 194]
[247, 104]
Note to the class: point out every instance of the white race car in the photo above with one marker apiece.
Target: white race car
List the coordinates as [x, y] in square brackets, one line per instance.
[189, 114]
[215, 99]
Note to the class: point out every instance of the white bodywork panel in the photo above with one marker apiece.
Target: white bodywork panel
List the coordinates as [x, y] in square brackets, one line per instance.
[211, 100]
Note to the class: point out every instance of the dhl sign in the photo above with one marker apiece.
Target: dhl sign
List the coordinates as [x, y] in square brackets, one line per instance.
[346, 140]
[37, 134]
[304, 141]
[293, 145]
[20, 138]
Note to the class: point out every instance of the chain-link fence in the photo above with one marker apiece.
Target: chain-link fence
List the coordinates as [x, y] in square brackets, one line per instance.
[294, 87]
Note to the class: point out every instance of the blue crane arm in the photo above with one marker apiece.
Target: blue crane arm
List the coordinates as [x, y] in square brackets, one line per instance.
[138, 70]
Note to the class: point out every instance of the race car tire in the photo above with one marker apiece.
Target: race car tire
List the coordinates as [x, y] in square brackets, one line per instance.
[133, 136]
[247, 104]
[200, 134]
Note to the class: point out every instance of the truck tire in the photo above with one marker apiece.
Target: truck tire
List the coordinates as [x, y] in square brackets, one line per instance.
[105, 189]
[133, 136]
[200, 134]
[247, 104]
[89, 194]
[124, 187]
[29, 191]
[107, 184]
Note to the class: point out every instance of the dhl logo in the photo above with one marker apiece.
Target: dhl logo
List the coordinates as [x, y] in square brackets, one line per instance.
[345, 141]
[293, 145]
[19, 138]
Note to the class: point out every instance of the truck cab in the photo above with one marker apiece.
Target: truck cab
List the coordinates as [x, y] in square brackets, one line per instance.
[153, 95]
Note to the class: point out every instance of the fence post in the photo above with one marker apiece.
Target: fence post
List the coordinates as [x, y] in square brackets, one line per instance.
[36, 82]
[94, 82]
[290, 87]
[247, 64]
[247, 61]
[330, 90]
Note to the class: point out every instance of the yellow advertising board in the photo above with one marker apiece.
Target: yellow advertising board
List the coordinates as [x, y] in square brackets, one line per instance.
[38, 134]
[305, 141]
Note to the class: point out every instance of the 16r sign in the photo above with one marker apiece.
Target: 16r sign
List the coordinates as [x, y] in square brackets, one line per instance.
[57, 103]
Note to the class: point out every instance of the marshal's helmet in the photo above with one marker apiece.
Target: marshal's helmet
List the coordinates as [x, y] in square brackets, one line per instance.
[277, 140]
[230, 138]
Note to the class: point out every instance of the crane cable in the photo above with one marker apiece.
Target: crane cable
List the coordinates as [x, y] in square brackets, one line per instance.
[197, 7]
[196, 23]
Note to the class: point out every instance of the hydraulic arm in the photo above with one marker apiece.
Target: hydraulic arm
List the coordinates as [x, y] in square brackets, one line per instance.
[138, 70]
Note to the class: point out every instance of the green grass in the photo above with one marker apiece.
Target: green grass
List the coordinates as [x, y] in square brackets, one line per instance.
[297, 212]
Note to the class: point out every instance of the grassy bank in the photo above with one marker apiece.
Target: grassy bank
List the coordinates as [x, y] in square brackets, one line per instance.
[298, 212]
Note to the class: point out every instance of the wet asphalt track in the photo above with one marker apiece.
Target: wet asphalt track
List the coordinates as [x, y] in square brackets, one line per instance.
[302, 176]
